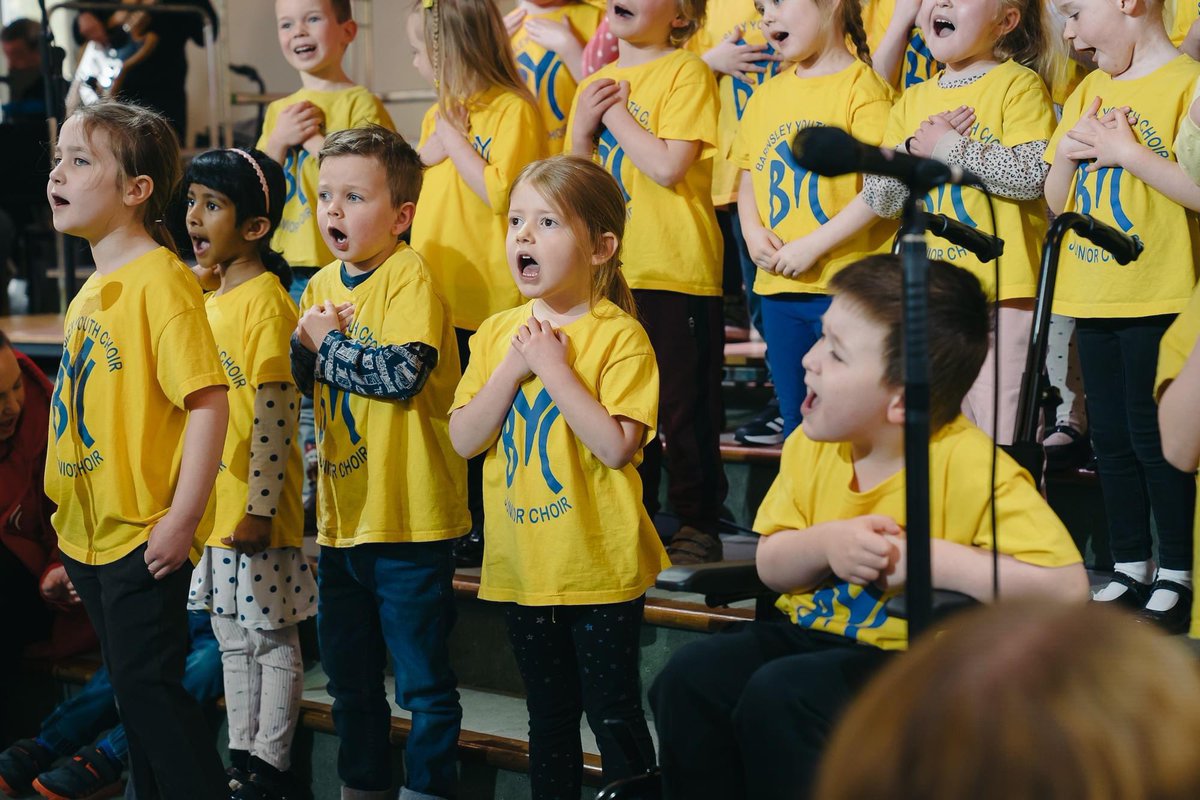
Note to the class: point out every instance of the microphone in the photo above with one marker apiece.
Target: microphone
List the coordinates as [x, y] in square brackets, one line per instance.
[983, 246]
[831, 152]
[1124, 248]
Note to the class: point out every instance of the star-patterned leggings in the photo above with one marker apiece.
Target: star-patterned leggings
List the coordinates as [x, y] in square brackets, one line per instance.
[576, 660]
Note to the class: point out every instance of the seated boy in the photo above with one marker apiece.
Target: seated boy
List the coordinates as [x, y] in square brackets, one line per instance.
[746, 714]
[94, 770]
[376, 350]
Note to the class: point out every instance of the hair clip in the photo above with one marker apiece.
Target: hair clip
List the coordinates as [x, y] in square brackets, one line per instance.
[427, 3]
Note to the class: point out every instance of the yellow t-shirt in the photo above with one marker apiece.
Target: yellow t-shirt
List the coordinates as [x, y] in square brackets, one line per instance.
[672, 242]
[460, 237]
[299, 233]
[814, 486]
[1012, 107]
[572, 530]
[1178, 15]
[792, 201]
[136, 345]
[253, 325]
[918, 64]
[387, 471]
[1090, 282]
[1173, 351]
[546, 74]
[723, 17]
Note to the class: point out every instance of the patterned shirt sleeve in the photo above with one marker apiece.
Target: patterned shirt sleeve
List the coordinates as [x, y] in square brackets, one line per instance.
[394, 372]
[1018, 173]
[275, 418]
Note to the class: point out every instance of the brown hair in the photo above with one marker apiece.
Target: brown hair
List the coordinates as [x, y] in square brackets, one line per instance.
[470, 51]
[1025, 699]
[693, 13]
[401, 164]
[856, 32]
[1036, 41]
[143, 143]
[341, 10]
[592, 203]
[959, 322]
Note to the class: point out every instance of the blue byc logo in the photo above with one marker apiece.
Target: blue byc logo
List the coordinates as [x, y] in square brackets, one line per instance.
[537, 421]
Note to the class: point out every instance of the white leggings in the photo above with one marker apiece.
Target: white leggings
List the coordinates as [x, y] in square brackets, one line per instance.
[264, 680]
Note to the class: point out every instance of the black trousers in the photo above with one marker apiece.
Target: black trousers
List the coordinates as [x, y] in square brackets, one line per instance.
[1119, 358]
[746, 714]
[576, 660]
[474, 465]
[143, 628]
[688, 335]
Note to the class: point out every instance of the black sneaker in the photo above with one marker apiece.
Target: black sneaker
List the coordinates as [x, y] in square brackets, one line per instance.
[764, 430]
[468, 550]
[20, 764]
[268, 783]
[89, 775]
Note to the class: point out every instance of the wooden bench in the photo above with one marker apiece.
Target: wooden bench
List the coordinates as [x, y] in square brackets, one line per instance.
[39, 336]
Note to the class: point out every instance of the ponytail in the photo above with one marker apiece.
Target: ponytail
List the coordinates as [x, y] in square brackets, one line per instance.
[275, 263]
[609, 282]
[856, 32]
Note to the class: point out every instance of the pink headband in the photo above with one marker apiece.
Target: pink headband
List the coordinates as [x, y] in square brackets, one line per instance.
[262, 179]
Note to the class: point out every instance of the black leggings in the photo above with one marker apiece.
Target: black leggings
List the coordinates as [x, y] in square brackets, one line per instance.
[1119, 357]
[577, 659]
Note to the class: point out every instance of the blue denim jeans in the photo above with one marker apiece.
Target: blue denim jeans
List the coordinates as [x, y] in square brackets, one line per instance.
[792, 325]
[77, 721]
[376, 599]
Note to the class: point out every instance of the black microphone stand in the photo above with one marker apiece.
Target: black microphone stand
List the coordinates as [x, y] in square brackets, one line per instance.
[1124, 249]
[915, 262]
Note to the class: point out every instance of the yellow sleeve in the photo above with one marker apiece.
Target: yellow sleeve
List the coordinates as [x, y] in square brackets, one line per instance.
[306, 297]
[269, 120]
[898, 128]
[741, 153]
[869, 119]
[1028, 115]
[427, 123]
[478, 369]
[629, 388]
[185, 356]
[414, 314]
[520, 137]
[691, 109]
[1177, 344]
[780, 509]
[367, 110]
[1029, 530]
[268, 350]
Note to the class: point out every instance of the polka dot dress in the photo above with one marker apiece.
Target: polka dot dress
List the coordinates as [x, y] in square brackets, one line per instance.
[267, 591]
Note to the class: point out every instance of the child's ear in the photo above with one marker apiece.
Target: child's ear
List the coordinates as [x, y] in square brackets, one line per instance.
[138, 190]
[255, 228]
[606, 248]
[1009, 20]
[895, 408]
[349, 31]
[404, 217]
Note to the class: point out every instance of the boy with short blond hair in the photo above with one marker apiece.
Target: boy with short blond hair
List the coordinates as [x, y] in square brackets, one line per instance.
[746, 714]
[376, 350]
